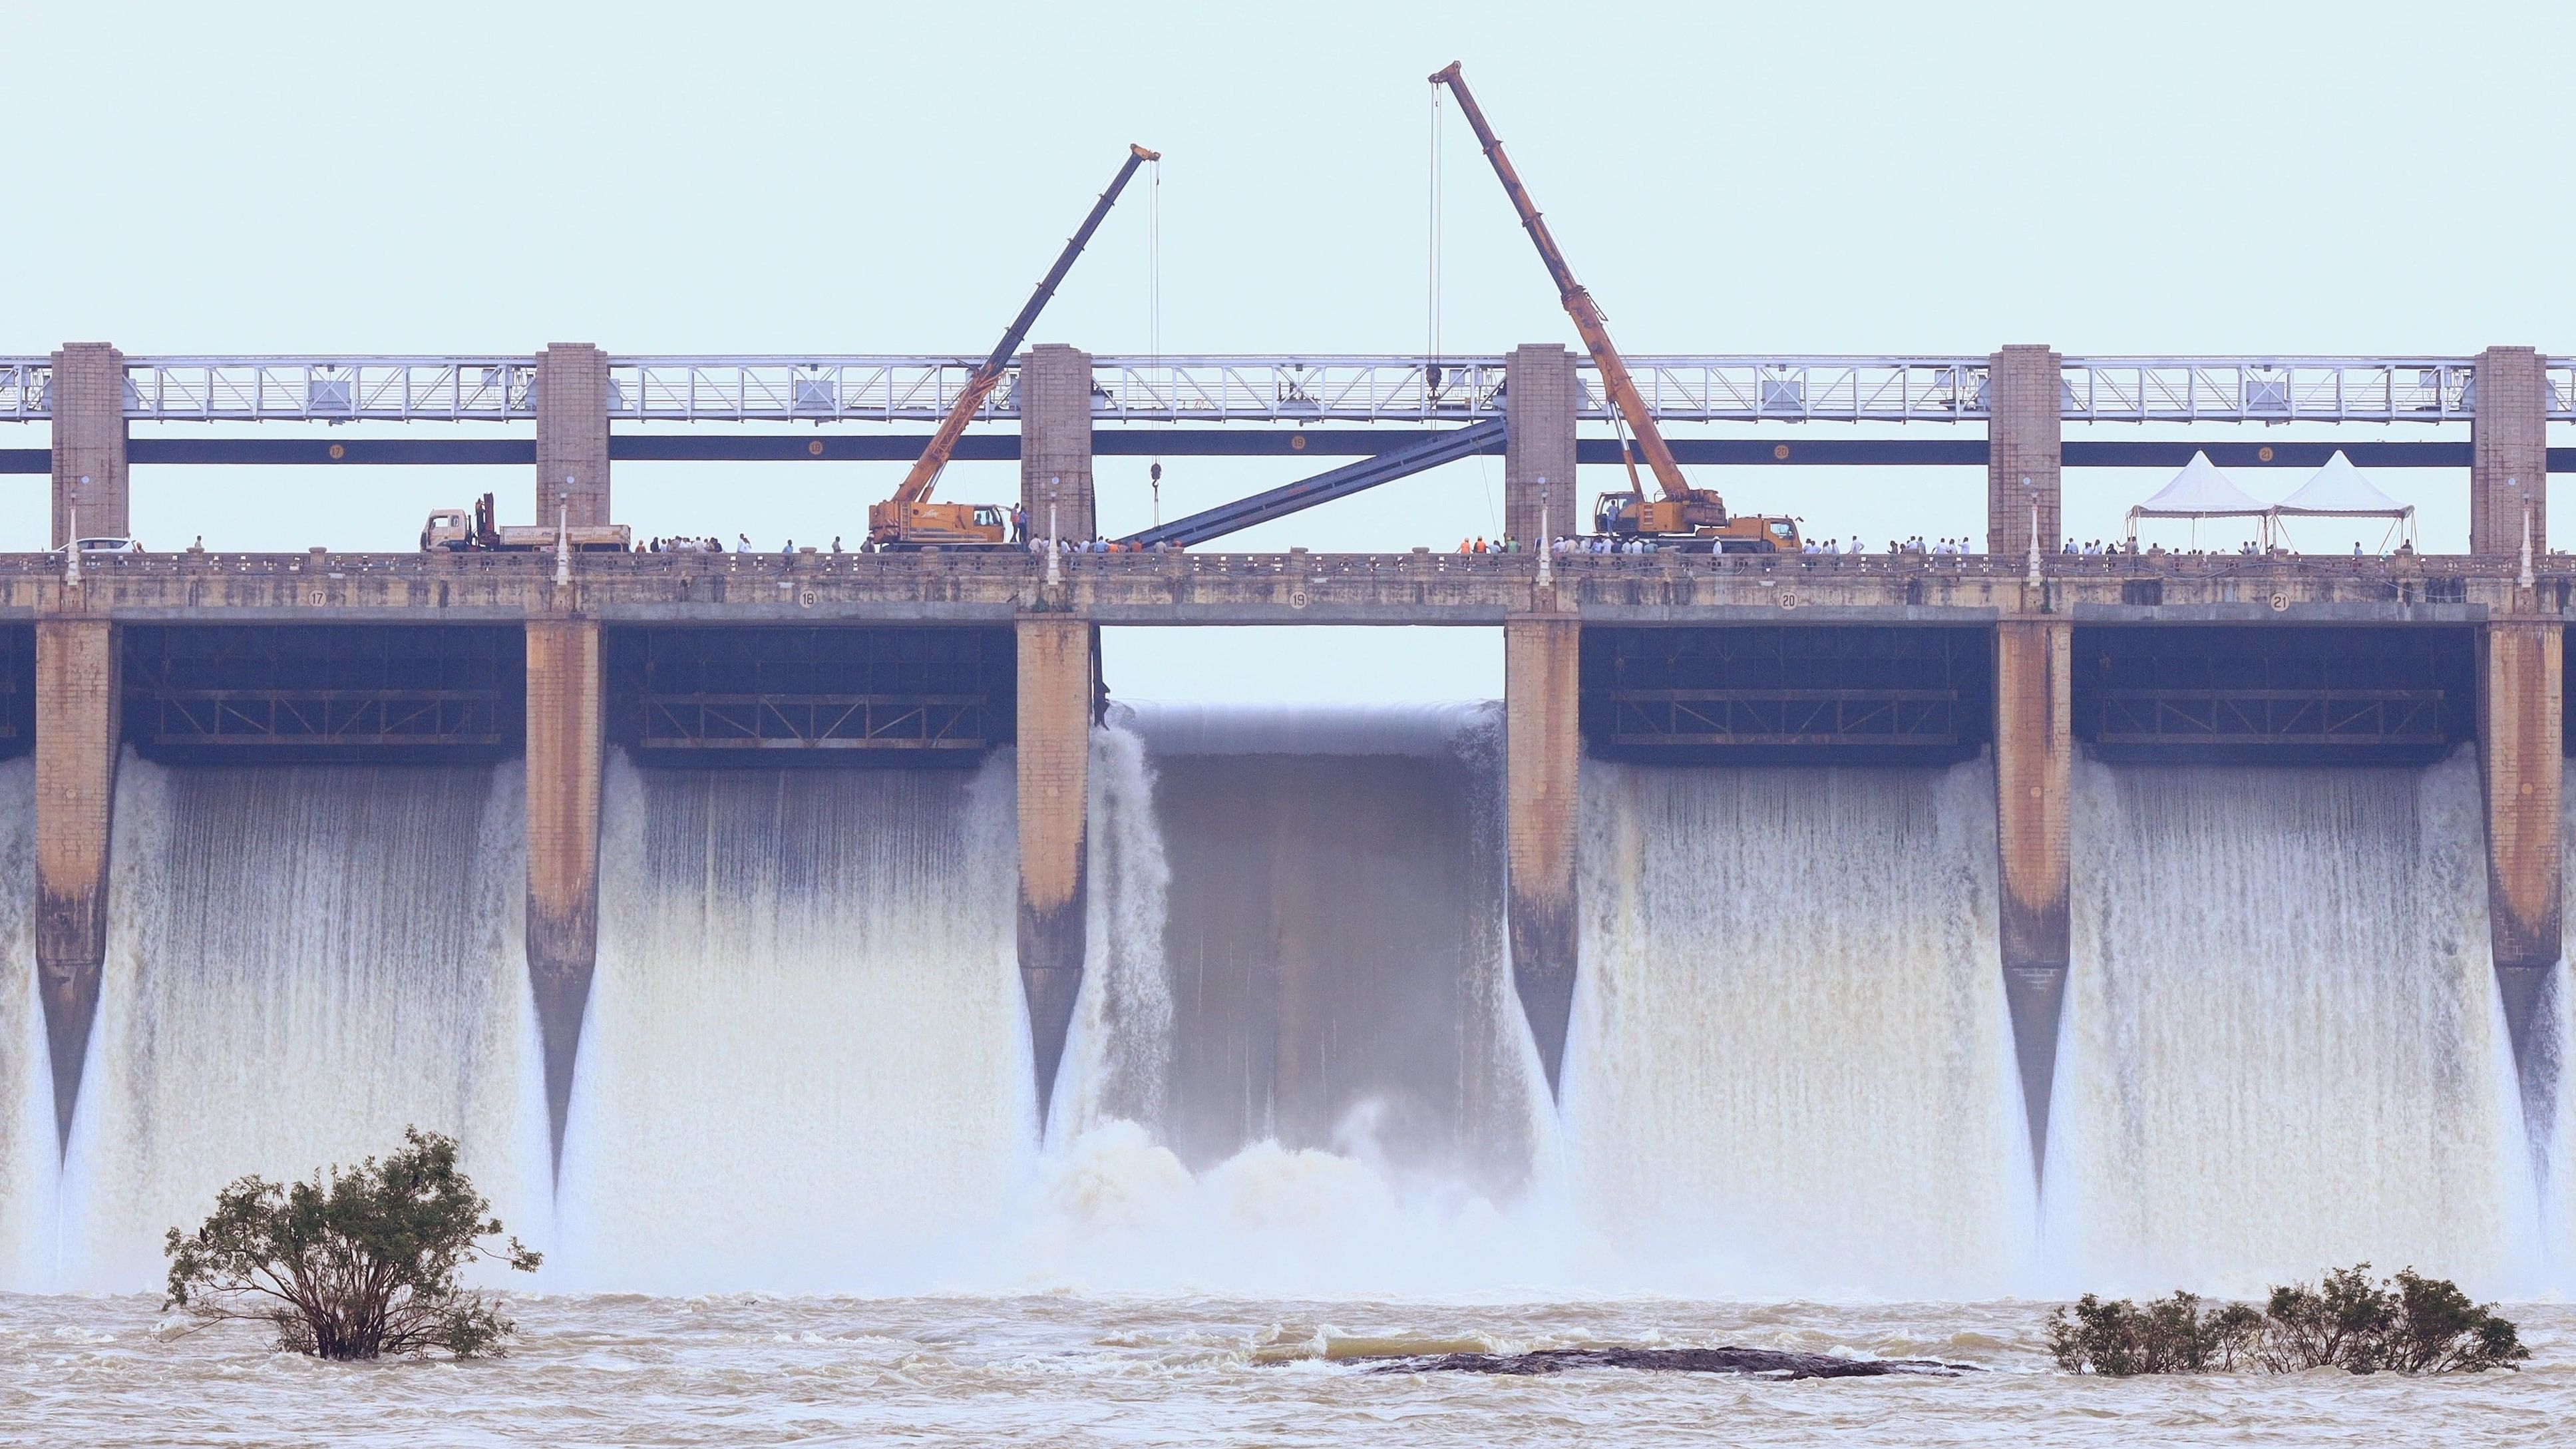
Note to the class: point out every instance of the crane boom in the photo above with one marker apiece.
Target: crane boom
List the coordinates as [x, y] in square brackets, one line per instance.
[1588, 322]
[925, 469]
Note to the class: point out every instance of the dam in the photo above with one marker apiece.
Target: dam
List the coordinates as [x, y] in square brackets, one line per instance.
[1878, 923]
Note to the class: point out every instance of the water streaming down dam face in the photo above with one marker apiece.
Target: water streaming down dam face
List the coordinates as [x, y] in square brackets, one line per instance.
[302, 960]
[28, 1156]
[1327, 971]
[805, 1064]
[2284, 1046]
[1790, 1069]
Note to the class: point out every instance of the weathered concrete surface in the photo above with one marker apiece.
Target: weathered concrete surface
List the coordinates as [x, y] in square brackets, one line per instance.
[2034, 757]
[572, 434]
[2023, 390]
[566, 686]
[1543, 752]
[1294, 588]
[2509, 452]
[1054, 762]
[89, 441]
[78, 698]
[2520, 726]
[1055, 439]
[1539, 397]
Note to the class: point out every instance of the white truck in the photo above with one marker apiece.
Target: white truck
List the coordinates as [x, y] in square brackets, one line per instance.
[456, 530]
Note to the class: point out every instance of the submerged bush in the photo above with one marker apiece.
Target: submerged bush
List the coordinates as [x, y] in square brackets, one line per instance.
[2171, 1336]
[2409, 1324]
[353, 1265]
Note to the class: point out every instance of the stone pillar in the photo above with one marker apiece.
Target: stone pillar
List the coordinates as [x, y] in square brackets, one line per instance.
[1540, 399]
[1055, 439]
[2509, 452]
[2521, 664]
[1542, 763]
[1054, 750]
[565, 685]
[2024, 392]
[79, 702]
[88, 394]
[572, 434]
[2034, 757]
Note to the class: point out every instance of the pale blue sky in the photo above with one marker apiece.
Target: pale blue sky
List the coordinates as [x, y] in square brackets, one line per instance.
[2285, 178]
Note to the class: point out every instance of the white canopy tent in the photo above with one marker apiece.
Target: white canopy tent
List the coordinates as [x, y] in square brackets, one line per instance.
[2200, 491]
[2338, 490]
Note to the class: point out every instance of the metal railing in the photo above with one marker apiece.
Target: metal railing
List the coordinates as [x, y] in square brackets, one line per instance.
[1287, 388]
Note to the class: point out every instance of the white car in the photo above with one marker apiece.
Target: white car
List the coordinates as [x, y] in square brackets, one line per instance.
[89, 546]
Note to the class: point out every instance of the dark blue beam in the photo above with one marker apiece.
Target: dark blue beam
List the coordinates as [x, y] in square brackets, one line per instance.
[1305, 493]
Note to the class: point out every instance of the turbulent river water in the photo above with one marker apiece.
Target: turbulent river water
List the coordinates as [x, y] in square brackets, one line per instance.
[804, 1193]
[1195, 1370]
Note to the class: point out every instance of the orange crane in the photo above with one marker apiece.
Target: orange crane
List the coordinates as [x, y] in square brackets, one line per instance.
[909, 519]
[1682, 511]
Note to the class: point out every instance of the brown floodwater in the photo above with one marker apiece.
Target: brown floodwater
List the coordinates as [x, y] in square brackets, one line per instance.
[1078, 1370]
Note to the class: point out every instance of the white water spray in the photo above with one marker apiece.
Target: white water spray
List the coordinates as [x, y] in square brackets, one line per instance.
[805, 1065]
[2284, 1046]
[1790, 1068]
[301, 961]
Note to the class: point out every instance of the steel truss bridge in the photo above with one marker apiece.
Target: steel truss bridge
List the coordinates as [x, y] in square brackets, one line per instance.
[1180, 405]
[1286, 388]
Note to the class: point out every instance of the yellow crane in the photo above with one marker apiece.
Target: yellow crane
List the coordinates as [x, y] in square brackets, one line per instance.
[909, 519]
[1682, 511]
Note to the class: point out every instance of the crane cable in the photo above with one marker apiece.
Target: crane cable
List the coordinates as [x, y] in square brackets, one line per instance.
[1154, 316]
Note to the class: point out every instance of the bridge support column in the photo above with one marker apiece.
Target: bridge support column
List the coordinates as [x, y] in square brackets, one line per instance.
[2034, 758]
[1055, 440]
[565, 718]
[2520, 725]
[79, 700]
[572, 435]
[2024, 391]
[1540, 400]
[1056, 692]
[1542, 760]
[2509, 452]
[89, 441]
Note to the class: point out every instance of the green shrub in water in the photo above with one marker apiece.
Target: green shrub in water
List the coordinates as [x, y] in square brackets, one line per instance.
[2408, 1324]
[353, 1265]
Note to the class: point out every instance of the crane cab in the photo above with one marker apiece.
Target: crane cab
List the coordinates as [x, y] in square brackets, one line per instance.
[899, 525]
[1699, 524]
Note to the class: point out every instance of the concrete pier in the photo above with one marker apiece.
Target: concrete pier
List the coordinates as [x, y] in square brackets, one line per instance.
[572, 435]
[566, 686]
[2024, 451]
[1056, 705]
[2509, 453]
[89, 442]
[2520, 727]
[1055, 439]
[1539, 398]
[1543, 752]
[2034, 755]
[78, 711]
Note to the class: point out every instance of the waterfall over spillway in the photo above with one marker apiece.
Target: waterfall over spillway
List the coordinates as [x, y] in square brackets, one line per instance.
[28, 1154]
[1327, 968]
[2284, 1047]
[805, 1064]
[1789, 1064]
[301, 961]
